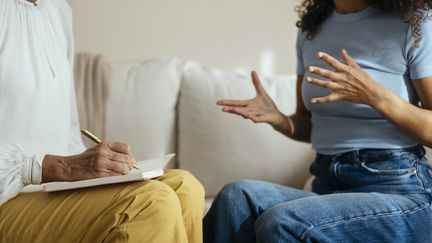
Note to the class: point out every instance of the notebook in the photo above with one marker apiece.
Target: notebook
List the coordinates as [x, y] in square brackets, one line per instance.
[150, 169]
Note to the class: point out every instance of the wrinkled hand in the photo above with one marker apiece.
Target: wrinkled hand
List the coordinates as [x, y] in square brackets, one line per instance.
[260, 109]
[349, 82]
[104, 159]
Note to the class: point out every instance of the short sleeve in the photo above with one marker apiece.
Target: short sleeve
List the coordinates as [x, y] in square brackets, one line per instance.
[420, 58]
[299, 50]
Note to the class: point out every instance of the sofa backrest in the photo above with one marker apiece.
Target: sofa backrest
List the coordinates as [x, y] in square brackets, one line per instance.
[161, 106]
[220, 148]
[141, 109]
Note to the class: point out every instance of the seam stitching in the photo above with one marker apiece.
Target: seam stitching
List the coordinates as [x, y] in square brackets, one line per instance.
[349, 220]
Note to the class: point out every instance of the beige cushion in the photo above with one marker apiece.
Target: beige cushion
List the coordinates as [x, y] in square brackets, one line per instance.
[141, 109]
[220, 148]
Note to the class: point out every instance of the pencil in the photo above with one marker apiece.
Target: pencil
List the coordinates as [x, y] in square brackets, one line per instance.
[95, 139]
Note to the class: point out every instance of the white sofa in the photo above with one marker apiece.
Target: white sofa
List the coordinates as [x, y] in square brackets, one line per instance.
[160, 106]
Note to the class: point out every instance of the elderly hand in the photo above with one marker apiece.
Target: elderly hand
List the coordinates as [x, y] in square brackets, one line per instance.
[348, 82]
[104, 159]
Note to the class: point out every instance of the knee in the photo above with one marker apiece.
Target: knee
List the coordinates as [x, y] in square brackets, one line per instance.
[189, 190]
[186, 184]
[236, 190]
[275, 226]
[150, 200]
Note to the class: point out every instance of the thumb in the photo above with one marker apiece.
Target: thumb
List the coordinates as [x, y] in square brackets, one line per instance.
[257, 84]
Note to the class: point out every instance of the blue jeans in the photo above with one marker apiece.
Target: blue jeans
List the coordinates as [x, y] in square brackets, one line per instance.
[361, 196]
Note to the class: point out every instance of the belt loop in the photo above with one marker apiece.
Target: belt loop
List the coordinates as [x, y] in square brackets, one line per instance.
[333, 158]
[356, 155]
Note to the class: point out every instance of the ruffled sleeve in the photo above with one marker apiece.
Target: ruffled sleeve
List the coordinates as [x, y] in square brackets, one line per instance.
[17, 170]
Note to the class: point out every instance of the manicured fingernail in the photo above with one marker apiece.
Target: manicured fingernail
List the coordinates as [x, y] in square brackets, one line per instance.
[311, 69]
[314, 101]
[320, 54]
[308, 79]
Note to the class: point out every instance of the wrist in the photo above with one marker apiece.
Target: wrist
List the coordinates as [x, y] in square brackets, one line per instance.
[382, 100]
[55, 168]
[284, 125]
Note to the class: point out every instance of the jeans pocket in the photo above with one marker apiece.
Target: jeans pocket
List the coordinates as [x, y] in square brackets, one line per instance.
[390, 168]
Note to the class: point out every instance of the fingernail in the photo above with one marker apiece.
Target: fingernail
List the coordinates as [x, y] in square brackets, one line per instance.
[311, 69]
[314, 101]
[344, 51]
[320, 54]
[308, 79]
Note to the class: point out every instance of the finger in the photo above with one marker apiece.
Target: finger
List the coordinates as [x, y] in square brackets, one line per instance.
[120, 148]
[257, 84]
[102, 164]
[234, 103]
[117, 167]
[245, 113]
[324, 73]
[327, 99]
[120, 157]
[331, 61]
[322, 83]
[349, 60]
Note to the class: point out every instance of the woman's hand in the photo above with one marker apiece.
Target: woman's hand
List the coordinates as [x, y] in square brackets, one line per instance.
[349, 82]
[260, 109]
[104, 159]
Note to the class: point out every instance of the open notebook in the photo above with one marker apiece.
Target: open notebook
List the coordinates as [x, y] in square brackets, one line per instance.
[150, 168]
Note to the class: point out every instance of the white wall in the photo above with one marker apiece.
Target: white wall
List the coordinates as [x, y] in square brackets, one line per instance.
[231, 34]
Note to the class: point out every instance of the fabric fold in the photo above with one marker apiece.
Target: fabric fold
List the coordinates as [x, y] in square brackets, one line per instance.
[92, 84]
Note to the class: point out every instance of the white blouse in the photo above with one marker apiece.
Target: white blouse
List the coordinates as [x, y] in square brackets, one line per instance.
[38, 112]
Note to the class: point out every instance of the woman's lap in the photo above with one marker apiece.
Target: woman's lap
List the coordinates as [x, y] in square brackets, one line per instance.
[371, 201]
[357, 217]
[238, 205]
[132, 210]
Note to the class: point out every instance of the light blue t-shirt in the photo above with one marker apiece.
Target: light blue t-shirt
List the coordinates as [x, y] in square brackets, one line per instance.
[382, 44]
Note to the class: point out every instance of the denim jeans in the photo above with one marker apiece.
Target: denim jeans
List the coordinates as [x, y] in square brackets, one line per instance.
[360, 196]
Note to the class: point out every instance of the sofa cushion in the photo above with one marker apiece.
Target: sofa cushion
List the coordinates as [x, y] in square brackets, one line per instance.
[141, 109]
[220, 148]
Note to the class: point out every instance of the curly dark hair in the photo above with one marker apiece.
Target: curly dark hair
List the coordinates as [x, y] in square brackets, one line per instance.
[312, 14]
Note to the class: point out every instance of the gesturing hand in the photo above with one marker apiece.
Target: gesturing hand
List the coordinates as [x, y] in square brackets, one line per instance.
[349, 81]
[259, 109]
[104, 159]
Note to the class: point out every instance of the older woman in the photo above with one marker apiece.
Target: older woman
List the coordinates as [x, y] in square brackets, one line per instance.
[367, 115]
[40, 142]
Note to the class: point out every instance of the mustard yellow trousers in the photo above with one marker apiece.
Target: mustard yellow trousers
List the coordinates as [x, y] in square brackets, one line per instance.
[168, 209]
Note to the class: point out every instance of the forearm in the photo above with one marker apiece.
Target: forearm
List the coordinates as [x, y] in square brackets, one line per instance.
[412, 120]
[297, 127]
[55, 168]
